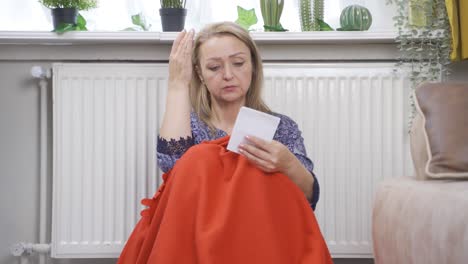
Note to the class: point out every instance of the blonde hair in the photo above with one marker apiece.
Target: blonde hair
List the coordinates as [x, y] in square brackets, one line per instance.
[199, 95]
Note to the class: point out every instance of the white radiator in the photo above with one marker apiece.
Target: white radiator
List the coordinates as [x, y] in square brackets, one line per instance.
[106, 116]
[354, 120]
[105, 123]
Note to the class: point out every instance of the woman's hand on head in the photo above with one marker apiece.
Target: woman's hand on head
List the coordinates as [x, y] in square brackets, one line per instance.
[176, 120]
[180, 59]
[268, 156]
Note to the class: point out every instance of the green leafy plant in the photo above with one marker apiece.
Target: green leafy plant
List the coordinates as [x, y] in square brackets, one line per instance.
[172, 3]
[80, 26]
[140, 23]
[322, 26]
[423, 39]
[78, 4]
[246, 18]
[271, 13]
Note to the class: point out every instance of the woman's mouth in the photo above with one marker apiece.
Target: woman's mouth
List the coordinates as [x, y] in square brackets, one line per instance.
[229, 87]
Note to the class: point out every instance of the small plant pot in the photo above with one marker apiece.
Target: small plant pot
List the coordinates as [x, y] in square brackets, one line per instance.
[173, 19]
[64, 15]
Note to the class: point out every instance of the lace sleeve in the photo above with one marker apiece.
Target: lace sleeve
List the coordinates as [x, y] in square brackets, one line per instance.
[169, 151]
[173, 146]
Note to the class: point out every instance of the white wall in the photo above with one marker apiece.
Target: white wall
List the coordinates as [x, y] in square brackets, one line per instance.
[19, 115]
[19, 163]
[19, 158]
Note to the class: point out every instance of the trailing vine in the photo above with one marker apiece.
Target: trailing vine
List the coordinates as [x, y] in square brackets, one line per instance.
[424, 41]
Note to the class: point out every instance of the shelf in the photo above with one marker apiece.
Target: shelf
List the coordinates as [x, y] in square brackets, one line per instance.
[264, 38]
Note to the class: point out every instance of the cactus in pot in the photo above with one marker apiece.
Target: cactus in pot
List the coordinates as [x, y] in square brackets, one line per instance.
[271, 13]
[311, 14]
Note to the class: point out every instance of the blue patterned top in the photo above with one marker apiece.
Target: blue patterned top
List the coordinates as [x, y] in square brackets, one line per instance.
[288, 133]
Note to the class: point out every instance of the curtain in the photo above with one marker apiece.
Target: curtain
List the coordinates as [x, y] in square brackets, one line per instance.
[459, 27]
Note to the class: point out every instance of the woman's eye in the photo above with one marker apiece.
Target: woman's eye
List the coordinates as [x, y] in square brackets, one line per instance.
[238, 64]
[213, 68]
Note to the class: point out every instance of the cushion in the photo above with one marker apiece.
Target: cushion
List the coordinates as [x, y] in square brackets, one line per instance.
[439, 134]
[420, 222]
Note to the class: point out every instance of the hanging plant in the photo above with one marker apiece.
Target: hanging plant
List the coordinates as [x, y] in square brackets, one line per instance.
[423, 39]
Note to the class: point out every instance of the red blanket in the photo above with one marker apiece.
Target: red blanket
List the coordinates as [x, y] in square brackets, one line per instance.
[214, 207]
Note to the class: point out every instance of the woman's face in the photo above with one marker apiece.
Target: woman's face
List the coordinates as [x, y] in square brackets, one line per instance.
[225, 68]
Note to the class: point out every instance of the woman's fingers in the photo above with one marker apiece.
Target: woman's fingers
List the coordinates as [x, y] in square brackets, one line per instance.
[255, 151]
[270, 156]
[180, 63]
[183, 47]
[259, 143]
[189, 43]
[177, 41]
[262, 163]
[183, 41]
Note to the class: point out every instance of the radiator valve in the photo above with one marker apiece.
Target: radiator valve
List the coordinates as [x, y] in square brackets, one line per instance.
[21, 249]
[40, 73]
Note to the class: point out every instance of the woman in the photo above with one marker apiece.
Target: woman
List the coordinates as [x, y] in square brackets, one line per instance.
[227, 73]
[216, 206]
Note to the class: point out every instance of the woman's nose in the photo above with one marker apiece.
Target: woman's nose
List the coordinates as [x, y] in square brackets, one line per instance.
[227, 72]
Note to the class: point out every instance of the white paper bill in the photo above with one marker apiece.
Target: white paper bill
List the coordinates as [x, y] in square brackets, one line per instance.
[251, 122]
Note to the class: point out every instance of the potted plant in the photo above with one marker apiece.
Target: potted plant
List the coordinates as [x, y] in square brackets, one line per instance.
[173, 15]
[311, 16]
[355, 18]
[65, 12]
[271, 13]
[310, 20]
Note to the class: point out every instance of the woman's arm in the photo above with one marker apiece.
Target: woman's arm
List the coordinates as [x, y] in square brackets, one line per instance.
[301, 177]
[307, 163]
[175, 134]
[176, 120]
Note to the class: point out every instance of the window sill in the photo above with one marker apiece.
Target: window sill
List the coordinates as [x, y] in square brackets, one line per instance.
[155, 46]
[129, 37]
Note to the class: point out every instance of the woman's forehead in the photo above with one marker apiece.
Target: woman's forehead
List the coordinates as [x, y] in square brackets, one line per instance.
[219, 47]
